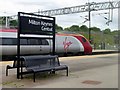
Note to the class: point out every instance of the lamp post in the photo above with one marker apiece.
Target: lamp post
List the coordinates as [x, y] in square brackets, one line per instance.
[89, 18]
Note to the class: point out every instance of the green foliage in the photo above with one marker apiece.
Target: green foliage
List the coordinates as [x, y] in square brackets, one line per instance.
[58, 28]
[74, 28]
[107, 31]
[13, 23]
[2, 20]
[115, 32]
[84, 28]
[67, 29]
[95, 29]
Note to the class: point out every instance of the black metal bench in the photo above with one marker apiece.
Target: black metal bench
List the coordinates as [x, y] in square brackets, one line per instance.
[46, 63]
[15, 64]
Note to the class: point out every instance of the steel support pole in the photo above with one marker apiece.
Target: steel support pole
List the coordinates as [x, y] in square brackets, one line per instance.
[89, 16]
[18, 47]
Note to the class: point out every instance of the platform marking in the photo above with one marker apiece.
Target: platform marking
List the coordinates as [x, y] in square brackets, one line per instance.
[92, 82]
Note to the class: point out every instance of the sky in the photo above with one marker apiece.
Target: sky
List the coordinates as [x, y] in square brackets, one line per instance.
[11, 7]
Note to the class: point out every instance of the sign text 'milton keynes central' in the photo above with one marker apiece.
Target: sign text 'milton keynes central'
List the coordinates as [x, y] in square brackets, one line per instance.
[45, 26]
[36, 25]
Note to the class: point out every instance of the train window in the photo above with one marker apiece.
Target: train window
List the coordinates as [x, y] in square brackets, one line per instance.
[44, 42]
[83, 39]
[0, 41]
[37, 42]
[33, 42]
[13, 41]
[9, 41]
[23, 41]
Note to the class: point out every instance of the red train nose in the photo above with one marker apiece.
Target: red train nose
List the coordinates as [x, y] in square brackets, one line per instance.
[87, 49]
[86, 44]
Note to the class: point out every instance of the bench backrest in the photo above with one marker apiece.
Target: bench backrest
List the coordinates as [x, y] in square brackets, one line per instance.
[15, 63]
[41, 61]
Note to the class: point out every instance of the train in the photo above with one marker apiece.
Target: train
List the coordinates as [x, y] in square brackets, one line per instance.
[64, 44]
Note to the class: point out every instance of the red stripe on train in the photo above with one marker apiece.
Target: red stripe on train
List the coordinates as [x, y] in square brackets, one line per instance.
[8, 30]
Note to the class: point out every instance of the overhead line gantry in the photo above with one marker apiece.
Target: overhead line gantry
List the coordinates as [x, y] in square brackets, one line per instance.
[93, 6]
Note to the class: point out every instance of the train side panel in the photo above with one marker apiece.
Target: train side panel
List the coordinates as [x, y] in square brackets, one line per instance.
[8, 45]
[68, 44]
[64, 44]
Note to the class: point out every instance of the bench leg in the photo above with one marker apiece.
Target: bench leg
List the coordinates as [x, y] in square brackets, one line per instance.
[34, 77]
[52, 72]
[21, 76]
[67, 71]
[21, 73]
[6, 71]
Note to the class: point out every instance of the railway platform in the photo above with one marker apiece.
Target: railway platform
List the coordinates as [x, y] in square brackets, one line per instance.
[90, 71]
[94, 52]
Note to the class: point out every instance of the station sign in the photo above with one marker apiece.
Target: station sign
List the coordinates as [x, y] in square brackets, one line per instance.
[33, 25]
[29, 23]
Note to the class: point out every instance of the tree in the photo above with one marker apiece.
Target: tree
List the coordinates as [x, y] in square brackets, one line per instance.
[13, 23]
[74, 28]
[107, 31]
[10, 21]
[2, 20]
[67, 29]
[58, 28]
[95, 29]
[84, 28]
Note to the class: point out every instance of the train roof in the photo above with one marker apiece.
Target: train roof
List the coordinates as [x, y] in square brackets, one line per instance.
[69, 34]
